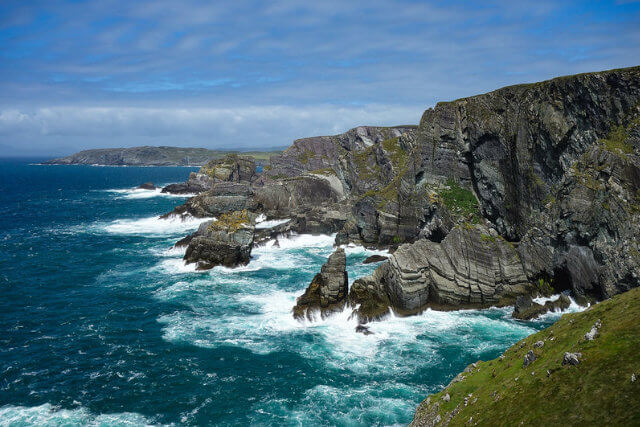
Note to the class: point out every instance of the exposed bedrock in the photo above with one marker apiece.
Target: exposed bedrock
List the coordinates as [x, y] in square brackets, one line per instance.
[519, 191]
[514, 144]
[226, 241]
[328, 290]
[229, 169]
[471, 267]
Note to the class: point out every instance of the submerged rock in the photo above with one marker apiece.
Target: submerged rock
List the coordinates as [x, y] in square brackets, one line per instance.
[147, 186]
[327, 292]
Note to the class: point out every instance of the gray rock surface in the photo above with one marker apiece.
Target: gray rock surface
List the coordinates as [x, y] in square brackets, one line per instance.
[227, 241]
[571, 358]
[327, 292]
[529, 358]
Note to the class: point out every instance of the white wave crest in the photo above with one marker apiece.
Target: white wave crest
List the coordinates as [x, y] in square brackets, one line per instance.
[49, 415]
[140, 193]
[151, 226]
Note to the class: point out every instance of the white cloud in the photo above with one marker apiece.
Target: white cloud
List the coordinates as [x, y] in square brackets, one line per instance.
[242, 127]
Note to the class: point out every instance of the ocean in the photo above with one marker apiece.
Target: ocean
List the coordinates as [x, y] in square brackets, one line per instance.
[101, 323]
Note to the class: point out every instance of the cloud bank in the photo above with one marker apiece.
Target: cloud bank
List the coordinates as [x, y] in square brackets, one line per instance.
[80, 75]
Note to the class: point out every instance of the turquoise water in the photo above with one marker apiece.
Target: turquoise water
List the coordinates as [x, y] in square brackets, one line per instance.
[101, 323]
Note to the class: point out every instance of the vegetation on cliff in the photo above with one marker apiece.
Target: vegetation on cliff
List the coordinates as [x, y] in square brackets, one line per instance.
[547, 389]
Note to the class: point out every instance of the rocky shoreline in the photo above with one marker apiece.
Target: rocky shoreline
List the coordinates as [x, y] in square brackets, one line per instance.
[529, 190]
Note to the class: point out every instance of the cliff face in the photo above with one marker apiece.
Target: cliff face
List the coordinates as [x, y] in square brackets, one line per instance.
[525, 190]
[515, 144]
[555, 168]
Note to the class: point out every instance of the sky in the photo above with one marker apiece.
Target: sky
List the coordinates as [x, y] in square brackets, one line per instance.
[249, 74]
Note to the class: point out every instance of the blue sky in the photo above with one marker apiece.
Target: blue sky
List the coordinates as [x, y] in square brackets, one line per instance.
[252, 74]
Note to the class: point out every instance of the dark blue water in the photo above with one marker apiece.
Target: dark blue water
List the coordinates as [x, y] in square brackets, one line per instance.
[101, 323]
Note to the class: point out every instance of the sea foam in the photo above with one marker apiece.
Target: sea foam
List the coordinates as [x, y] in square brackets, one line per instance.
[50, 415]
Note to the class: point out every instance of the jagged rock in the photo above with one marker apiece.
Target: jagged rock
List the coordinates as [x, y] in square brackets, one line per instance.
[571, 358]
[197, 183]
[549, 171]
[327, 292]
[538, 344]
[469, 268]
[227, 241]
[147, 186]
[525, 308]
[374, 258]
[361, 329]
[529, 358]
[446, 397]
[369, 299]
[230, 169]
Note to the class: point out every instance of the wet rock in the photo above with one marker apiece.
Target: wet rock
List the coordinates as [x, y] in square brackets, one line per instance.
[327, 292]
[362, 329]
[147, 186]
[466, 269]
[374, 258]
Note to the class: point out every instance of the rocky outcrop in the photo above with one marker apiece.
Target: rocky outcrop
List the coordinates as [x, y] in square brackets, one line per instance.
[230, 169]
[147, 186]
[471, 267]
[226, 241]
[525, 308]
[327, 292]
[487, 198]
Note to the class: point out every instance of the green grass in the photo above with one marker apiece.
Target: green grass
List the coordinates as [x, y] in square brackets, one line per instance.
[616, 141]
[598, 391]
[231, 222]
[459, 200]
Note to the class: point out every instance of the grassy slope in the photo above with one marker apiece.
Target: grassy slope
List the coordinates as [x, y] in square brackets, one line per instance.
[598, 391]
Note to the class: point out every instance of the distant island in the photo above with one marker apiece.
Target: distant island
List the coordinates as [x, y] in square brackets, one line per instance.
[154, 156]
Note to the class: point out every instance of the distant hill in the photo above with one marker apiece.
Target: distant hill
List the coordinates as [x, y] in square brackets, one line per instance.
[153, 156]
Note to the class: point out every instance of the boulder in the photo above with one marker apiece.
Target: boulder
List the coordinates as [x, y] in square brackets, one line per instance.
[226, 241]
[571, 358]
[327, 292]
[529, 358]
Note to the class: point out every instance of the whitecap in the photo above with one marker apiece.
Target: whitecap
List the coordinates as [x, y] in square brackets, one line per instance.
[50, 415]
[141, 193]
[272, 223]
[151, 226]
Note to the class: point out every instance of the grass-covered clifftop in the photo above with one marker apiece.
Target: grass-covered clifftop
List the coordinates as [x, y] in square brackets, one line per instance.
[597, 391]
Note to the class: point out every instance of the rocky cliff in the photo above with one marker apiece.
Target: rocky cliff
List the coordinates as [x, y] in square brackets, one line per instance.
[526, 190]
